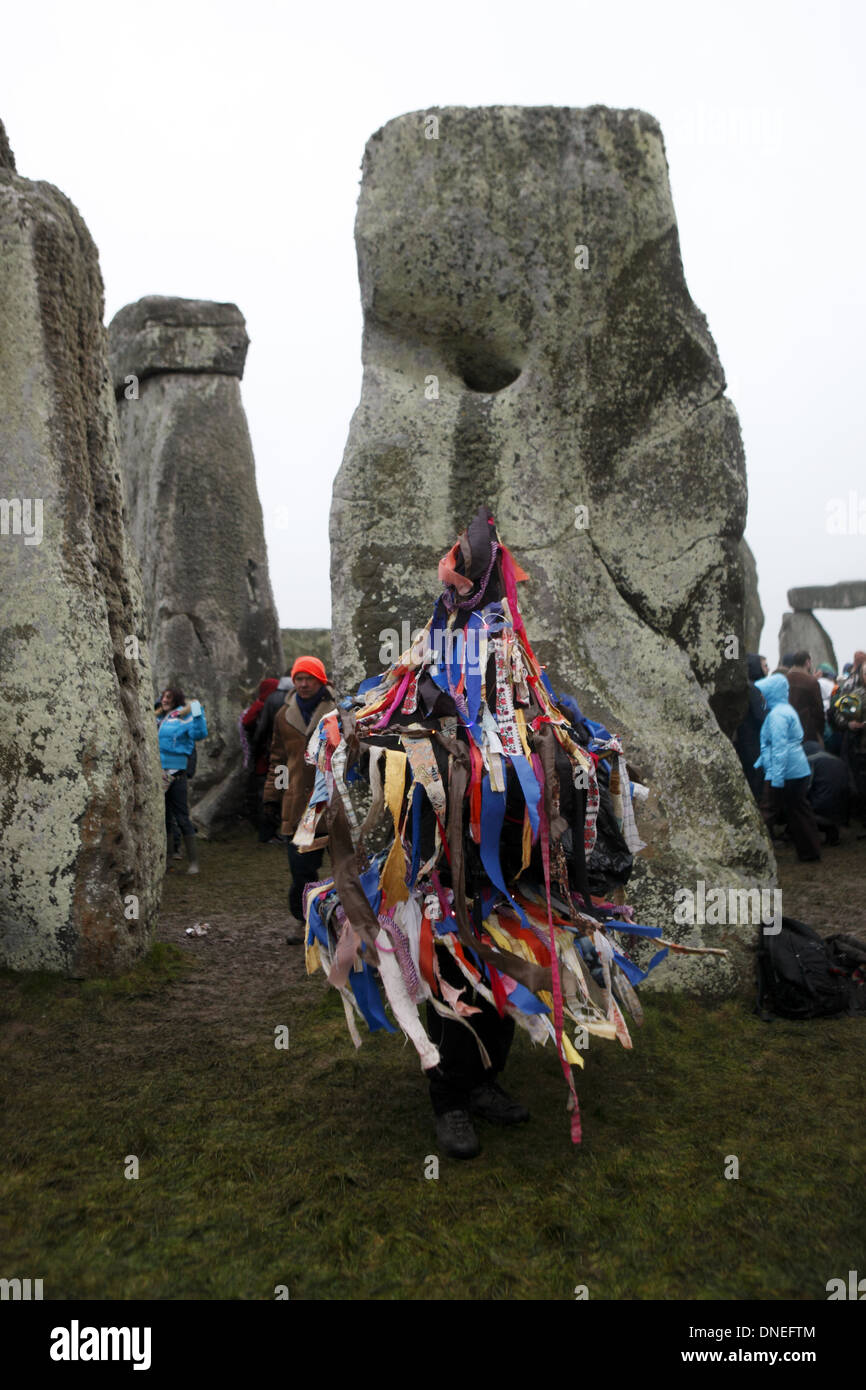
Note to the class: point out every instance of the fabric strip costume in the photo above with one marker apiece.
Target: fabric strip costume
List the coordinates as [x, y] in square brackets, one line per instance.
[497, 809]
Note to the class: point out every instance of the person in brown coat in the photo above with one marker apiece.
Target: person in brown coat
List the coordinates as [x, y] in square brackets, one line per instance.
[804, 694]
[290, 780]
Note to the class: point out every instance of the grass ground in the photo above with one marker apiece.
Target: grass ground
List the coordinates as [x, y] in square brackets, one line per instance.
[305, 1167]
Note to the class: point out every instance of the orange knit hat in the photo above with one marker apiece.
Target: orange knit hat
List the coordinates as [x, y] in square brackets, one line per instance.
[312, 666]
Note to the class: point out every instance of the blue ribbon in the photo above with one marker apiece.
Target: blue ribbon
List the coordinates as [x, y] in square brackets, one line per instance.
[448, 672]
[631, 971]
[523, 999]
[369, 684]
[317, 926]
[631, 928]
[370, 883]
[492, 818]
[369, 1000]
[634, 974]
[530, 788]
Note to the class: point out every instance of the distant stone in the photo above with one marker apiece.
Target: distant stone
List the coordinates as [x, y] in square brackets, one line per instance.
[801, 632]
[160, 334]
[850, 593]
[753, 613]
[81, 808]
[530, 344]
[7, 158]
[307, 641]
[196, 518]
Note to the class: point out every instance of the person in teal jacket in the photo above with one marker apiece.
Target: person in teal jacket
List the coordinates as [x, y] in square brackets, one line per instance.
[786, 767]
[179, 731]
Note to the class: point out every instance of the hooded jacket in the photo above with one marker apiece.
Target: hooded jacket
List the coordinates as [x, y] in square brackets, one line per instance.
[249, 721]
[178, 734]
[265, 726]
[782, 756]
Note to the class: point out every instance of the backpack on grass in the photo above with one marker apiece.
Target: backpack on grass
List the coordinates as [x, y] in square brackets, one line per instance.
[799, 976]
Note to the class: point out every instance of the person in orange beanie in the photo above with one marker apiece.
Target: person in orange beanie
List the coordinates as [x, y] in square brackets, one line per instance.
[289, 782]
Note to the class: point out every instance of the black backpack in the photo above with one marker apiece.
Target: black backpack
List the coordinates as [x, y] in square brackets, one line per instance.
[798, 975]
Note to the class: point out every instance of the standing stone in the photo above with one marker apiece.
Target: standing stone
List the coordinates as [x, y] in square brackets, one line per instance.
[197, 522]
[801, 632]
[307, 641]
[753, 613]
[530, 343]
[81, 802]
[850, 593]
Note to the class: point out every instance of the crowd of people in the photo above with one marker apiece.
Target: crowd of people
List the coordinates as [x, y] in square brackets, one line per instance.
[802, 745]
[275, 730]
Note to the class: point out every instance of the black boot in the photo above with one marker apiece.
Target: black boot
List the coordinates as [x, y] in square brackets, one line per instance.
[493, 1104]
[456, 1135]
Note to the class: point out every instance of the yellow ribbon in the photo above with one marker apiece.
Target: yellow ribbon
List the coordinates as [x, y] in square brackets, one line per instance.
[393, 877]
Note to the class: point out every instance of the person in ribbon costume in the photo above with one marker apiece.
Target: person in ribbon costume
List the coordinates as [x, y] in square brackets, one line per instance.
[480, 902]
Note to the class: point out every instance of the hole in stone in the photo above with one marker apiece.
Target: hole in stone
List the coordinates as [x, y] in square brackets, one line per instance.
[486, 370]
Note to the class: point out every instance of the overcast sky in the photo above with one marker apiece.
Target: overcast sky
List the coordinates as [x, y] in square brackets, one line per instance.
[214, 150]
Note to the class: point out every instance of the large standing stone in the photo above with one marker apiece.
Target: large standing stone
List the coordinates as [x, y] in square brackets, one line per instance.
[753, 613]
[801, 632]
[529, 342]
[197, 521]
[81, 803]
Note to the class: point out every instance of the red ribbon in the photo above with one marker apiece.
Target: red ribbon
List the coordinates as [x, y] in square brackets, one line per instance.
[554, 960]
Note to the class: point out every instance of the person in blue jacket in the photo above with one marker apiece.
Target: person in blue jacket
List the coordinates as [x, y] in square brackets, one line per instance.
[179, 731]
[786, 767]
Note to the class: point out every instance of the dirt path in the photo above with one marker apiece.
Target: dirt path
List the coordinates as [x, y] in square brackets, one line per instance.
[246, 965]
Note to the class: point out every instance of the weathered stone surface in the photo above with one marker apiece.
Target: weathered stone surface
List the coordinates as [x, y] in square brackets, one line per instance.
[160, 334]
[753, 613]
[195, 515]
[81, 802]
[7, 158]
[850, 593]
[497, 370]
[801, 632]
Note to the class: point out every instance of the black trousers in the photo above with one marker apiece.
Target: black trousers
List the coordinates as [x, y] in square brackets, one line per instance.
[854, 752]
[304, 868]
[460, 1069]
[176, 806]
[267, 814]
[792, 799]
